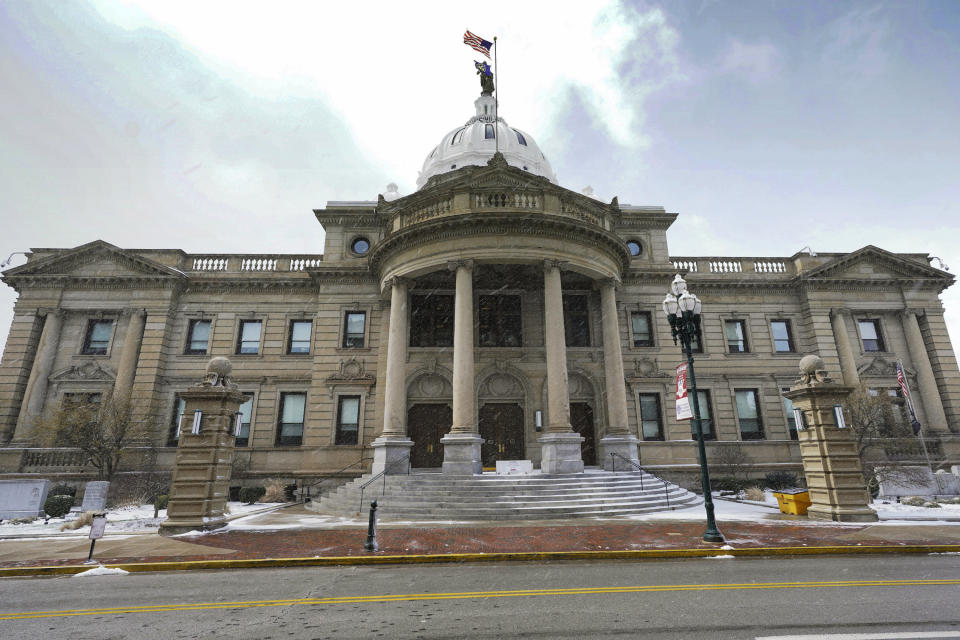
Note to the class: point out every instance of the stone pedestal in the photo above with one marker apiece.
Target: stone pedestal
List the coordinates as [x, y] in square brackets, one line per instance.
[204, 462]
[625, 446]
[388, 452]
[560, 453]
[461, 454]
[831, 462]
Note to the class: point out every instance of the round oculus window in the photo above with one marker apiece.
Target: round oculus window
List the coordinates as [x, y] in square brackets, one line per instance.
[360, 246]
[635, 248]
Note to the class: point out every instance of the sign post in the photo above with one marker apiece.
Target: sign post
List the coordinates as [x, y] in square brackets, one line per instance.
[96, 532]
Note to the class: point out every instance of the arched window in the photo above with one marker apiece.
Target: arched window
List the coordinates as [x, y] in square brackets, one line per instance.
[488, 132]
[520, 138]
[457, 137]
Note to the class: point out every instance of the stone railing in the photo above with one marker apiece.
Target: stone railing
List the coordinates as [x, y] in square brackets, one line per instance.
[435, 209]
[517, 199]
[574, 211]
[37, 459]
[252, 263]
[733, 265]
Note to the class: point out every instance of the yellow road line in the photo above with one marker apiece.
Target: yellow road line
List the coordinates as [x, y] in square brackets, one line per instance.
[459, 595]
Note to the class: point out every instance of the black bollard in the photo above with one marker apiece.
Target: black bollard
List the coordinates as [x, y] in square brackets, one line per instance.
[371, 543]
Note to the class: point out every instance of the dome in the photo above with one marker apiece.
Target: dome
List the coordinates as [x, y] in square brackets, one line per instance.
[474, 144]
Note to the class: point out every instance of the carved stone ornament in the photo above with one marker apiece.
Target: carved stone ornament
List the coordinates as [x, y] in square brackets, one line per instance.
[648, 368]
[501, 385]
[878, 367]
[813, 371]
[352, 370]
[218, 374]
[85, 371]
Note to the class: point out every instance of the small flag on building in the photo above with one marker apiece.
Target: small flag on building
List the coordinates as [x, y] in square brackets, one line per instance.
[905, 389]
[477, 43]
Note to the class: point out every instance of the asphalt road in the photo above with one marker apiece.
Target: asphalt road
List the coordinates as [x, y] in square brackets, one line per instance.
[907, 596]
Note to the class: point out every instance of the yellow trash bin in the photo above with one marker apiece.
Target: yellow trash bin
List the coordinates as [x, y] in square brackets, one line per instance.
[793, 501]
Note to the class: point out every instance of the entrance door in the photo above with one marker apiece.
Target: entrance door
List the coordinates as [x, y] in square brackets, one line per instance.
[581, 419]
[426, 424]
[501, 427]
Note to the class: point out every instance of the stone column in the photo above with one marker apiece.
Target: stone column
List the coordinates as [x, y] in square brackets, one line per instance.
[617, 438]
[127, 369]
[203, 466]
[36, 392]
[393, 444]
[461, 447]
[560, 446]
[936, 419]
[831, 462]
[848, 362]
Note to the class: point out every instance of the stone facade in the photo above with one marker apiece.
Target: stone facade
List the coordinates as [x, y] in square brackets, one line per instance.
[580, 348]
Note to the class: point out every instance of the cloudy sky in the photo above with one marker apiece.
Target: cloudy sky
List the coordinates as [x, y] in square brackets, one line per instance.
[218, 126]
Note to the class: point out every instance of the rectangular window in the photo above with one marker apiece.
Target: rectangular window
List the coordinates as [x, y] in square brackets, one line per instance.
[499, 321]
[736, 332]
[290, 426]
[246, 413]
[706, 416]
[299, 341]
[576, 321]
[782, 336]
[791, 418]
[431, 320]
[354, 329]
[97, 339]
[642, 332]
[248, 339]
[348, 420]
[651, 424]
[696, 342]
[198, 337]
[748, 412]
[870, 335]
[179, 404]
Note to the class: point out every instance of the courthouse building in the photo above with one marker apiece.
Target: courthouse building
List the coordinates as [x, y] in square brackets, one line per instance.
[490, 315]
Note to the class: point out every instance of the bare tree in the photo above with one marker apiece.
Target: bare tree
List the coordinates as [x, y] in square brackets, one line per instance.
[103, 430]
[884, 439]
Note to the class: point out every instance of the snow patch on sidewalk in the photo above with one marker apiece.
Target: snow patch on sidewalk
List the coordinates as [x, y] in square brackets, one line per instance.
[100, 571]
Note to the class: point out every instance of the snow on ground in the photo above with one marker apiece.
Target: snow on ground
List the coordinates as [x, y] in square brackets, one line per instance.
[100, 571]
[133, 519]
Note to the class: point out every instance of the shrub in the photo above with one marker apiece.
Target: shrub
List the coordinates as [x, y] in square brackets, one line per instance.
[949, 500]
[84, 520]
[274, 491]
[756, 494]
[235, 493]
[63, 490]
[913, 501]
[57, 506]
[777, 480]
[249, 495]
[931, 505]
[161, 501]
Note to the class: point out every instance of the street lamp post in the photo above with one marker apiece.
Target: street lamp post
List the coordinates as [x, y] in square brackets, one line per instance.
[682, 309]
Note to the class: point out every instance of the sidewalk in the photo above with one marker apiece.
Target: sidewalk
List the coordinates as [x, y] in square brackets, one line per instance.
[295, 535]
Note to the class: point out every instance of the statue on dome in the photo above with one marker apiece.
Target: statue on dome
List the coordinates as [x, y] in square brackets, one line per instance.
[486, 77]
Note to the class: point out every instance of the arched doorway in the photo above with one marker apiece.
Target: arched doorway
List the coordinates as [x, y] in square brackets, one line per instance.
[429, 417]
[501, 418]
[582, 416]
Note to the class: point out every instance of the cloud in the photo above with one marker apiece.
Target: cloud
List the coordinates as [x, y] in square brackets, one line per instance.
[755, 61]
[858, 42]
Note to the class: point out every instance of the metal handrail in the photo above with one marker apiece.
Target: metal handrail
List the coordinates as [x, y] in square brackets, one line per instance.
[383, 474]
[326, 477]
[613, 468]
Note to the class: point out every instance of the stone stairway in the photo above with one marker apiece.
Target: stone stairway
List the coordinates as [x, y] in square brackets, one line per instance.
[434, 496]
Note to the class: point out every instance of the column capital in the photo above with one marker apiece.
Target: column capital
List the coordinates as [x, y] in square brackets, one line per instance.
[453, 265]
[842, 312]
[395, 281]
[55, 312]
[129, 312]
[611, 281]
[917, 313]
[550, 263]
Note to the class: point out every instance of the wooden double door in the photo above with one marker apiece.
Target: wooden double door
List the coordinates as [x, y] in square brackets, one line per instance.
[581, 419]
[426, 424]
[501, 427]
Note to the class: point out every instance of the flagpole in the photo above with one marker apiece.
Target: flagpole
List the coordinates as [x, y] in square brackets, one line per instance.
[496, 98]
[913, 414]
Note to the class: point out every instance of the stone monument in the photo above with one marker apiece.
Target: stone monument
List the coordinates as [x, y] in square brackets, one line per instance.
[201, 472]
[22, 498]
[828, 447]
[95, 496]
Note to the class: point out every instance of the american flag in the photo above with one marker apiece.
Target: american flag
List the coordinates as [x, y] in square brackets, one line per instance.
[902, 381]
[477, 43]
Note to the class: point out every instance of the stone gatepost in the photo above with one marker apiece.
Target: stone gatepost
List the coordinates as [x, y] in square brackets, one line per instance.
[201, 473]
[831, 462]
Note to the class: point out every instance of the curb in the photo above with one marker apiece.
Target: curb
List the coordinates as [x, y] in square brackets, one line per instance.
[527, 556]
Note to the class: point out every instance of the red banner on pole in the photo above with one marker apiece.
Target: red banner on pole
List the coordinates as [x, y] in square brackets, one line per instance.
[683, 402]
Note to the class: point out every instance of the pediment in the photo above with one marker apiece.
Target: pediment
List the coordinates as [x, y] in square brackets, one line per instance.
[96, 259]
[874, 264]
[881, 367]
[88, 371]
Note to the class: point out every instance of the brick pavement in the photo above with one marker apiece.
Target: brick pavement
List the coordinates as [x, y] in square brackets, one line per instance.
[401, 539]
